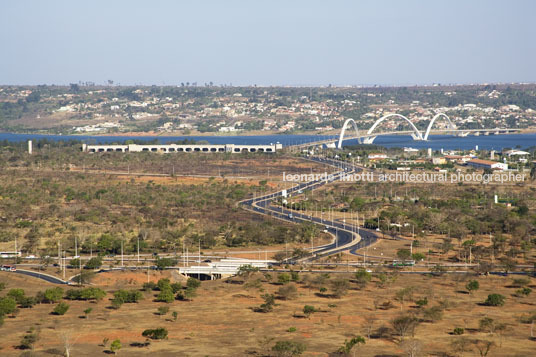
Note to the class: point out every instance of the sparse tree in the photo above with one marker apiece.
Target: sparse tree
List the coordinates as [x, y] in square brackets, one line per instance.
[405, 325]
[412, 347]
[115, 346]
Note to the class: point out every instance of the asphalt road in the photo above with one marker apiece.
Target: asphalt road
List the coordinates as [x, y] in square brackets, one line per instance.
[344, 234]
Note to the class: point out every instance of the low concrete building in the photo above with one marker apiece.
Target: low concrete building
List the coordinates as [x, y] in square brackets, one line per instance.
[173, 148]
[486, 164]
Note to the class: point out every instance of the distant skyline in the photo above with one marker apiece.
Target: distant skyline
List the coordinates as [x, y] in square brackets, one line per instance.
[292, 42]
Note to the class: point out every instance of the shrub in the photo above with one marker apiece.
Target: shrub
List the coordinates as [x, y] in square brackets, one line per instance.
[115, 346]
[163, 284]
[495, 300]
[288, 292]
[268, 305]
[288, 348]
[176, 287]
[294, 276]
[53, 295]
[523, 292]
[283, 278]
[403, 254]
[349, 345]
[433, 314]
[162, 263]
[7, 306]
[93, 263]
[27, 302]
[166, 295]
[186, 294]
[193, 283]
[85, 294]
[60, 309]
[156, 334]
[292, 329]
[308, 310]
[87, 312]
[162, 310]
[521, 282]
[124, 296]
[363, 277]
[16, 294]
[149, 286]
[472, 285]
[458, 331]
[339, 287]
[422, 302]
[27, 342]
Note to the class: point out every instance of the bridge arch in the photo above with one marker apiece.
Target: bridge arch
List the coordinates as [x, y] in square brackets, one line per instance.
[450, 124]
[345, 125]
[417, 134]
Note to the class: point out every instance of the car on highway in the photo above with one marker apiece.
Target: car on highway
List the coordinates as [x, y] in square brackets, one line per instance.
[8, 268]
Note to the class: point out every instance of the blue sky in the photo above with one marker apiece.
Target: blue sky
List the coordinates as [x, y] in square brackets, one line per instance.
[291, 42]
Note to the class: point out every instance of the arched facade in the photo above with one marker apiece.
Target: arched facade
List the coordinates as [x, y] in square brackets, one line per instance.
[450, 124]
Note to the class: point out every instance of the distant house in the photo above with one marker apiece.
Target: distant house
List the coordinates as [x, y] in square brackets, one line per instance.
[439, 160]
[486, 164]
[377, 156]
[511, 153]
[458, 158]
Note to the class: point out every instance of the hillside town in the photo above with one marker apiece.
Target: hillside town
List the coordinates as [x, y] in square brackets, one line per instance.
[190, 109]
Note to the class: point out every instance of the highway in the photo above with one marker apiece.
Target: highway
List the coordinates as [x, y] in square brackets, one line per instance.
[345, 235]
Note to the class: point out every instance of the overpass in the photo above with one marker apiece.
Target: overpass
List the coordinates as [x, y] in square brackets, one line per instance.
[371, 134]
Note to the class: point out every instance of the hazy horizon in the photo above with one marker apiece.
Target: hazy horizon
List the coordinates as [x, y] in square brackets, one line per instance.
[276, 43]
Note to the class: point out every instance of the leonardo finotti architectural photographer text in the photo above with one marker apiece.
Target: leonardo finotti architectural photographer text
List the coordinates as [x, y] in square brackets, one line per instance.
[423, 177]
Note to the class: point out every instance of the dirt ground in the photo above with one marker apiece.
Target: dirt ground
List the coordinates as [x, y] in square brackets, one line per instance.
[220, 320]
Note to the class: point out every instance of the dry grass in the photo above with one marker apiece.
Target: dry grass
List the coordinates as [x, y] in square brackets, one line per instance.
[220, 321]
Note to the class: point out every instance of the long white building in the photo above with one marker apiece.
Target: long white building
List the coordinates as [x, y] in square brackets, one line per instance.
[173, 148]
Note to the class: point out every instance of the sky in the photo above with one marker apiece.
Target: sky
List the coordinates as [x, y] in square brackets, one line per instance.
[267, 42]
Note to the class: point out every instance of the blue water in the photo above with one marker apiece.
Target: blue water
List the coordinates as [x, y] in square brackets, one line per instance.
[436, 142]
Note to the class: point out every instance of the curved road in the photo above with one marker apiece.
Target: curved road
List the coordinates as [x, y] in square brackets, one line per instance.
[344, 234]
[43, 276]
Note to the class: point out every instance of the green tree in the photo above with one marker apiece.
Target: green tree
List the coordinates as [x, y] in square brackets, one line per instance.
[403, 254]
[193, 283]
[363, 277]
[93, 263]
[17, 294]
[156, 334]
[60, 309]
[162, 310]
[308, 310]
[472, 285]
[348, 346]
[163, 263]
[53, 295]
[7, 306]
[115, 346]
[495, 300]
[283, 278]
[87, 312]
